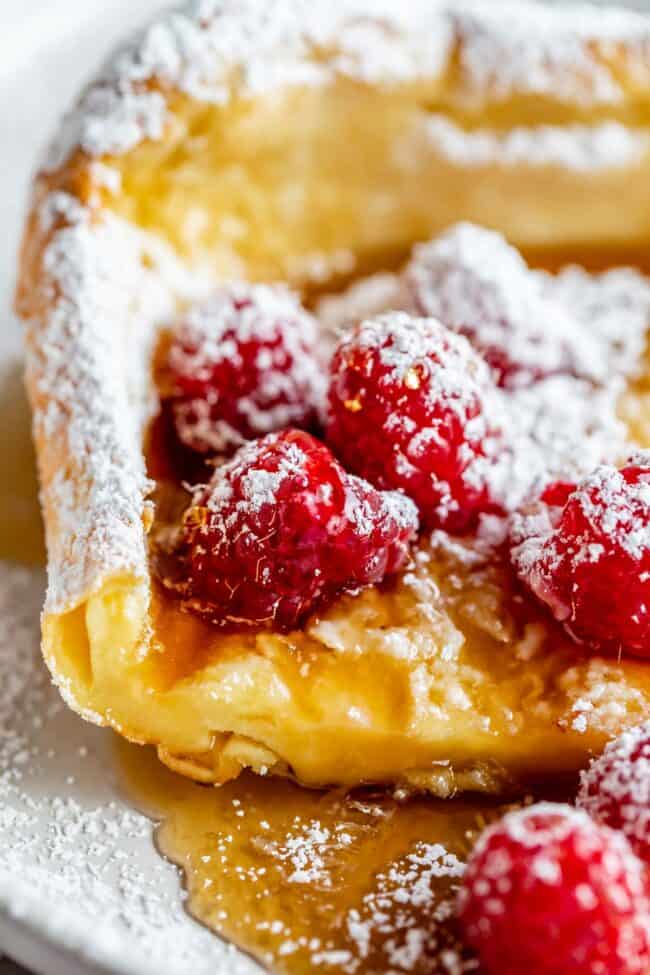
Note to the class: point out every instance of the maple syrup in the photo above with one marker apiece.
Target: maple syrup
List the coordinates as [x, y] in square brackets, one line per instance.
[309, 881]
[21, 526]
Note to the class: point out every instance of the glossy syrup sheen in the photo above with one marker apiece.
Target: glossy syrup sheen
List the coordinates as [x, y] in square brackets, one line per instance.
[309, 881]
[21, 526]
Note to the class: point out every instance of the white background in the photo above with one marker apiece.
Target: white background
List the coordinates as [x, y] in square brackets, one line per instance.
[48, 48]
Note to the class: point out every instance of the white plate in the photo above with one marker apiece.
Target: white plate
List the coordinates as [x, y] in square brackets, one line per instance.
[82, 888]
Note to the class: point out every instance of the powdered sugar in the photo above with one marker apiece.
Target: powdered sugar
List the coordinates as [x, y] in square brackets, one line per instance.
[215, 50]
[255, 312]
[405, 345]
[617, 512]
[75, 860]
[616, 788]
[397, 921]
[394, 909]
[579, 148]
[88, 368]
[540, 831]
[591, 328]
[258, 485]
[367, 298]
[540, 53]
[523, 826]
[613, 314]
[570, 889]
[308, 849]
[478, 285]
[244, 363]
[557, 429]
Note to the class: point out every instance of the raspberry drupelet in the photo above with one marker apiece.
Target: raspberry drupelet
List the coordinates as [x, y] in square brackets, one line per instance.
[474, 282]
[584, 551]
[409, 408]
[615, 790]
[282, 529]
[243, 364]
[549, 892]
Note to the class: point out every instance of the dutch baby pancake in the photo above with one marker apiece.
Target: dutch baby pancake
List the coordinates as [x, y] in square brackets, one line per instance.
[340, 391]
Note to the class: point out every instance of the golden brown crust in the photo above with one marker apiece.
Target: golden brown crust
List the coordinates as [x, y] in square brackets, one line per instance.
[541, 147]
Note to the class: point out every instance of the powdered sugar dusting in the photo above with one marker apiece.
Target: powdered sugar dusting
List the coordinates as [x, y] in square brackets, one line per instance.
[586, 887]
[613, 313]
[367, 298]
[308, 850]
[533, 49]
[616, 788]
[215, 50]
[110, 287]
[405, 344]
[598, 701]
[587, 330]
[396, 925]
[259, 479]
[392, 911]
[579, 148]
[625, 514]
[74, 859]
[257, 312]
[476, 284]
[259, 485]
[245, 362]
[616, 512]
[557, 429]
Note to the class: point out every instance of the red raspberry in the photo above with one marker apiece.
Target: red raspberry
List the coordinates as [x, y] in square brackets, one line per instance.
[408, 409]
[474, 282]
[549, 892]
[585, 553]
[241, 365]
[616, 788]
[282, 529]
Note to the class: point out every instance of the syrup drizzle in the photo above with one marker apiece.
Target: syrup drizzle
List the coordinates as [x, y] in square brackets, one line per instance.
[308, 881]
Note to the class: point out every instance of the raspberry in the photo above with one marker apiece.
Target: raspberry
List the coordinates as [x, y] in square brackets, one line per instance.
[282, 529]
[477, 285]
[241, 365]
[549, 892]
[408, 409]
[616, 788]
[585, 553]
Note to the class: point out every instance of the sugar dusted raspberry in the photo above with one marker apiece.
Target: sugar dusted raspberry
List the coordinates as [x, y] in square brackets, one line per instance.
[615, 790]
[474, 282]
[282, 529]
[241, 365]
[409, 408]
[549, 892]
[585, 553]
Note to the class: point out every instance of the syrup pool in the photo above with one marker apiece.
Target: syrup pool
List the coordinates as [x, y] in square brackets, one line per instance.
[308, 881]
[21, 526]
